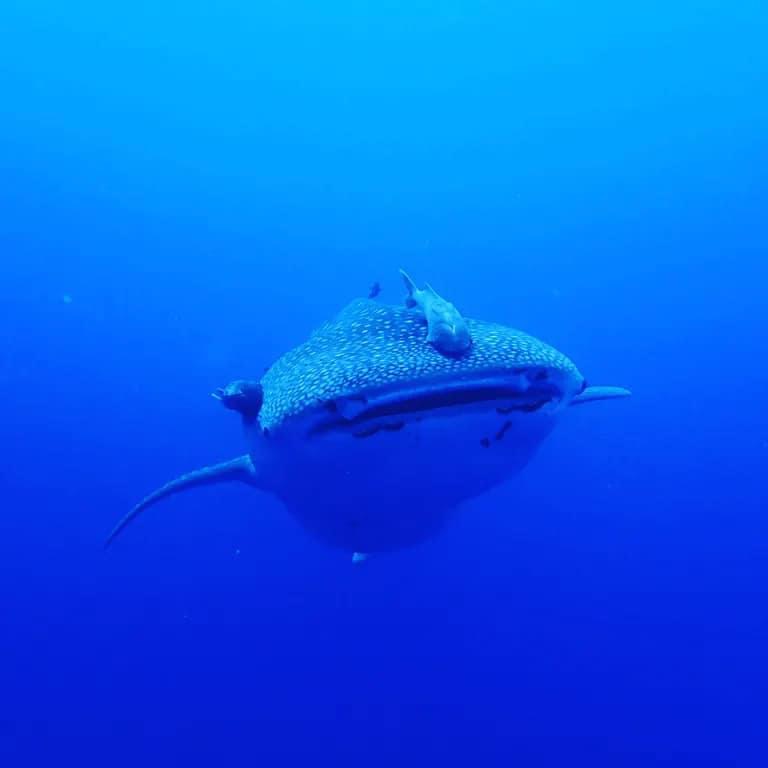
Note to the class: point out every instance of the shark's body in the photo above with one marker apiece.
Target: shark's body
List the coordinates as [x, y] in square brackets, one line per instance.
[372, 437]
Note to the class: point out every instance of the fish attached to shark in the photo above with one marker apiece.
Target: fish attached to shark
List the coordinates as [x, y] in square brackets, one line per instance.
[447, 330]
[371, 436]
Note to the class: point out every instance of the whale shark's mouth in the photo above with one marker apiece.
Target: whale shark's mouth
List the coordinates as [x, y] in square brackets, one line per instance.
[523, 391]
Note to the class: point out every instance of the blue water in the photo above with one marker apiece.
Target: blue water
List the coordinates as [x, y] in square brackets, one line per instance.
[187, 189]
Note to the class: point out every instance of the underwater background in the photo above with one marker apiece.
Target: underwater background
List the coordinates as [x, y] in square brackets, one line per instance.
[188, 189]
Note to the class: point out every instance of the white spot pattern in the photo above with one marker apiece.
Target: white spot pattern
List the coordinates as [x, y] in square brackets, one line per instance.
[370, 345]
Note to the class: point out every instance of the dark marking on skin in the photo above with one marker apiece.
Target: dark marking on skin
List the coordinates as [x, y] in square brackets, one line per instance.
[541, 375]
[394, 427]
[500, 434]
[531, 407]
[367, 432]
[266, 432]
[485, 442]
[330, 406]
[524, 408]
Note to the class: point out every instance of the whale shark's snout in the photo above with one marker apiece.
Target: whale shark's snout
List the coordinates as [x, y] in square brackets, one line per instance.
[372, 361]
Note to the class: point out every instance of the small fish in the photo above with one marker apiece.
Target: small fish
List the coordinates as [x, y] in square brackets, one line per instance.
[374, 290]
[446, 329]
[243, 396]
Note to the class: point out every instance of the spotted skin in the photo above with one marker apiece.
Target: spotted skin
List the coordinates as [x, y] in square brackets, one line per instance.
[370, 346]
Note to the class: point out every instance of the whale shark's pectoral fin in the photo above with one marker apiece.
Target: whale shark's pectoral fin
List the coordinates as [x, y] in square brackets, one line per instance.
[240, 470]
[600, 393]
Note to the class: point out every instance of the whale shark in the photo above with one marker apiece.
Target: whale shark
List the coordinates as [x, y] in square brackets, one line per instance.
[372, 438]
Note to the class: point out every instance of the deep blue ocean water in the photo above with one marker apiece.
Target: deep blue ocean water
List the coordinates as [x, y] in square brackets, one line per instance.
[188, 189]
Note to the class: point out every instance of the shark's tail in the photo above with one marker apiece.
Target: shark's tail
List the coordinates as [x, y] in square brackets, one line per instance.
[240, 469]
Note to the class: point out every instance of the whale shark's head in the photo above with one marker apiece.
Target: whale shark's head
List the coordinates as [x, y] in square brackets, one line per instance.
[371, 436]
[371, 366]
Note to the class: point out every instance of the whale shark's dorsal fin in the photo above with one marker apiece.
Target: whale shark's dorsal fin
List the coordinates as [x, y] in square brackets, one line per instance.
[600, 393]
[240, 469]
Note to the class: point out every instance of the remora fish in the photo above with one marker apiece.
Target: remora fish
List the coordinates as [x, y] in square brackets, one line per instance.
[371, 437]
[446, 328]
